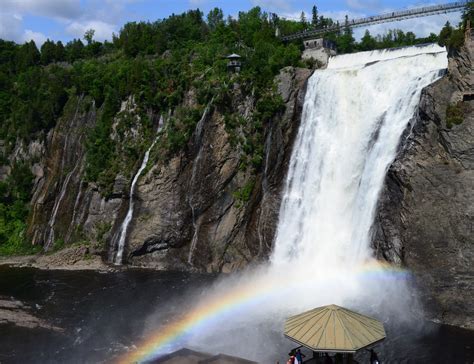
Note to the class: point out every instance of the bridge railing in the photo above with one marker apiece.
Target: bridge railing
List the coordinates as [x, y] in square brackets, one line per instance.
[376, 19]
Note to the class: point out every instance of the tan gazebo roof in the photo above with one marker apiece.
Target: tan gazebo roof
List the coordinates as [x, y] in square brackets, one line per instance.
[333, 329]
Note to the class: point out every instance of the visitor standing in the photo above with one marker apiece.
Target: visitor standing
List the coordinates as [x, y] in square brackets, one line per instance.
[299, 356]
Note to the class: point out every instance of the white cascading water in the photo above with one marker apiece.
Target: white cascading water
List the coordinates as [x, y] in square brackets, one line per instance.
[354, 114]
[122, 233]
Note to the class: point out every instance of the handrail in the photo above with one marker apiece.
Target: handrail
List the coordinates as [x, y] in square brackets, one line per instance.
[383, 18]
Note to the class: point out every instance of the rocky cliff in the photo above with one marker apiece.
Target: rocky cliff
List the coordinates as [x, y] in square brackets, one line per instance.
[201, 209]
[426, 211]
[197, 209]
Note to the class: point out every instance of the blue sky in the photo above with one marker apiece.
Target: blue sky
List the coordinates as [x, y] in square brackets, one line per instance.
[22, 20]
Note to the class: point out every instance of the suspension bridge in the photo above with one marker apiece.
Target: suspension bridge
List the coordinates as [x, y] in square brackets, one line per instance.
[383, 18]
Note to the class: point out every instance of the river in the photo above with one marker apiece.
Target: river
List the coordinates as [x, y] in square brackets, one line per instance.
[104, 314]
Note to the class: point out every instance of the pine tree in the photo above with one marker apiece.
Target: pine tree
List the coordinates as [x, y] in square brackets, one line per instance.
[303, 19]
[314, 20]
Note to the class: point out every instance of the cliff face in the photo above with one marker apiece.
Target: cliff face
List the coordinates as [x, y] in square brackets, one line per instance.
[190, 212]
[197, 210]
[426, 210]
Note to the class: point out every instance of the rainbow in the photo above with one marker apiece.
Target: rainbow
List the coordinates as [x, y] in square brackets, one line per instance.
[229, 303]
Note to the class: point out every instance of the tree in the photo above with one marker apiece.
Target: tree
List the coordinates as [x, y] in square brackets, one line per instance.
[303, 19]
[60, 52]
[28, 55]
[468, 14]
[48, 52]
[367, 42]
[347, 30]
[89, 36]
[314, 20]
[74, 50]
[445, 34]
[215, 18]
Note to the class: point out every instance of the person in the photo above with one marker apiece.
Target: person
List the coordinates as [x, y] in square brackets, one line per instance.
[300, 356]
[374, 359]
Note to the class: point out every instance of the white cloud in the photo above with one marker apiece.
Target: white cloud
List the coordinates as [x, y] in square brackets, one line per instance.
[363, 4]
[38, 38]
[197, 2]
[65, 9]
[341, 15]
[100, 15]
[11, 28]
[273, 5]
[102, 29]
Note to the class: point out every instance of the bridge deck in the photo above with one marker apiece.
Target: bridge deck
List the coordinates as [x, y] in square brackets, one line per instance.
[389, 17]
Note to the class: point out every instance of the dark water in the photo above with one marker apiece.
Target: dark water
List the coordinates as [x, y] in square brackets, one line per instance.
[103, 314]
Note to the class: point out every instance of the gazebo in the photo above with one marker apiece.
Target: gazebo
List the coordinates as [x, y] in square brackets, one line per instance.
[234, 64]
[333, 330]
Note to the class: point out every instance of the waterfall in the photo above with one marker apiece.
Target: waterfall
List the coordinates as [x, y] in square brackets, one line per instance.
[354, 114]
[122, 233]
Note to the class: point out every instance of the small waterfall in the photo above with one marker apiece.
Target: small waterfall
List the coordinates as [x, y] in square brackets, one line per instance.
[197, 142]
[122, 233]
[52, 221]
[74, 209]
[354, 114]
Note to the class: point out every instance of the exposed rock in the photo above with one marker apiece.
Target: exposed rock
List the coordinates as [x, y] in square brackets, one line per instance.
[15, 312]
[187, 215]
[426, 211]
[79, 257]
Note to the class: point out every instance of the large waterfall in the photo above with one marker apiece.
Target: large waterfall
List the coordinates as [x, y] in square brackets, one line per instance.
[354, 114]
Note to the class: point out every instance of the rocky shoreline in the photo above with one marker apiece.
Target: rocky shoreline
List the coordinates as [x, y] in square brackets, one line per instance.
[73, 258]
[17, 313]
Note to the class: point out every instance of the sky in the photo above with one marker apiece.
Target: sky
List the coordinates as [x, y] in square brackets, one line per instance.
[23, 20]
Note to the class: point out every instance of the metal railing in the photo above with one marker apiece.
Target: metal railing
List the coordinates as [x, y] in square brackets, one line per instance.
[383, 18]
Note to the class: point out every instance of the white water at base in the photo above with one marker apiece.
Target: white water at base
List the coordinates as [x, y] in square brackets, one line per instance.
[122, 233]
[353, 117]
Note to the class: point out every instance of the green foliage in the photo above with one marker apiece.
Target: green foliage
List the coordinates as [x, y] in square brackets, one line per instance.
[14, 198]
[180, 128]
[468, 15]
[58, 245]
[243, 194]
[100, 147]
[453, 38]
[89, 36]
[454, 115]
[103, 229]
[456, 40]
[445, 34]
